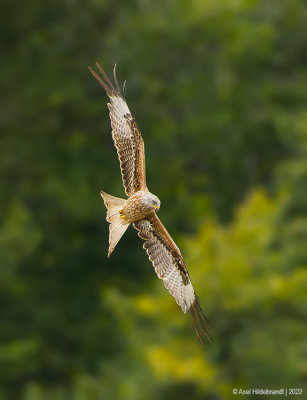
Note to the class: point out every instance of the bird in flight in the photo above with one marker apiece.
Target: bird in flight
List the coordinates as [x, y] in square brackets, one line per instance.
[141, 206]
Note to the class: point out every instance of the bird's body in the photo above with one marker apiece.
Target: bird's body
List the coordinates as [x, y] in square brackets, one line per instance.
[141, 206]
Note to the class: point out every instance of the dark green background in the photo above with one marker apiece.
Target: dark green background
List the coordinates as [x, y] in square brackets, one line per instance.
[219, 93]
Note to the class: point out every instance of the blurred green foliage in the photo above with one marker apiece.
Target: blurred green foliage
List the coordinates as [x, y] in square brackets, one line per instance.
[219, 92]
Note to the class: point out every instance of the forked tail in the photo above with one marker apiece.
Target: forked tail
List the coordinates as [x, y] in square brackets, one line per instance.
[118, 225]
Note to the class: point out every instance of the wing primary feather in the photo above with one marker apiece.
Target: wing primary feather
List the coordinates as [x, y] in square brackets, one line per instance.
[105, 82]
[124, 87]
[203, 314]
[115, 78]
[102, 83]
[200, 316]
[105, 77]
[196, 325]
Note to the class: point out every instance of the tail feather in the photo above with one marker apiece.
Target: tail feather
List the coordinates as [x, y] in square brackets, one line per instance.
[118, 225]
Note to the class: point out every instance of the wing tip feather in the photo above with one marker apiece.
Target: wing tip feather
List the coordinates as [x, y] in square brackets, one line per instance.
[105, 81]
[199, 317]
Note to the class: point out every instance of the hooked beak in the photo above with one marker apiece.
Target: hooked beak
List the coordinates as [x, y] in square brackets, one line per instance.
[157, 208]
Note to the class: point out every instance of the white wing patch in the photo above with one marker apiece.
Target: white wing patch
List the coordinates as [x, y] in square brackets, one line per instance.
[183, 294]
[119, 106]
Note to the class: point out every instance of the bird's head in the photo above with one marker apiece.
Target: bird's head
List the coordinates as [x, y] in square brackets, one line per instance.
[151, 202]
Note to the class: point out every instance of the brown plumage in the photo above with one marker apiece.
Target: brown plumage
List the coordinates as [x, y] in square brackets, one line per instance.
[141, 207]
[127, 138]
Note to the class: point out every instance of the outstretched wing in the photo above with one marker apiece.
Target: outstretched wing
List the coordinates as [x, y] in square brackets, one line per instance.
[170, 267]
[126, 136]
